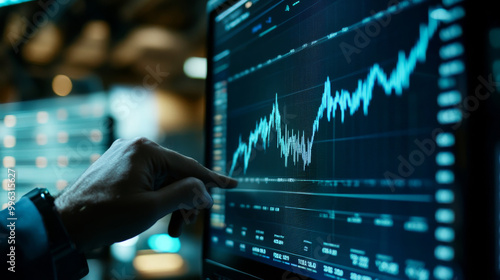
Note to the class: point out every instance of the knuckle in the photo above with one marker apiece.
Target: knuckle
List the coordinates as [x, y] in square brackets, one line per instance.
[195, 183]
[140, 144]
[140, 141]
[192, 161]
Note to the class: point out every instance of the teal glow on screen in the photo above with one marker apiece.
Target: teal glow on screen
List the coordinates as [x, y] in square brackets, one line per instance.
[11, 2]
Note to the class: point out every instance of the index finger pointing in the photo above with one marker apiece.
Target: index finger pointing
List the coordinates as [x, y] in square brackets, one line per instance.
[182, 167]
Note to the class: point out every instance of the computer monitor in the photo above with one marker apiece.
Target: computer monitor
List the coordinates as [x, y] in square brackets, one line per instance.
[364, 135]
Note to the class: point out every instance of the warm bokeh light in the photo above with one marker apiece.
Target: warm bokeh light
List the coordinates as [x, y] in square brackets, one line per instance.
[62, 137]
[94, 157]
[10, 121]
[62, 161]
[9, 141]
[61, 184]
[41, 162]
[90, 48]
[159, 265]
[44, 46]
[177, 113]
[62, 85]
[9, 162]
[96, 135]
[196, 67]
[41, 139]
[147, 38]
[5, 184]
[42, 117]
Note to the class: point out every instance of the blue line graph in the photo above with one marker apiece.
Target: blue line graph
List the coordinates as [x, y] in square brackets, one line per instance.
[296, 145]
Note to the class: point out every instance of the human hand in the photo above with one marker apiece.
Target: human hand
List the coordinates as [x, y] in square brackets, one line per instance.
[130, 187]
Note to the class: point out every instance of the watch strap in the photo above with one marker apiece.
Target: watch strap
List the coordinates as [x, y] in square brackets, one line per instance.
[68, 262]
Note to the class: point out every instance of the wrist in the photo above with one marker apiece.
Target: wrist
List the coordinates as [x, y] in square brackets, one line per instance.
[69, 222]
[68, 261]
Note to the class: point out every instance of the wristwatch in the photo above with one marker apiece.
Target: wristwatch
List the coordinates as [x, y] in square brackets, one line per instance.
[68, 262]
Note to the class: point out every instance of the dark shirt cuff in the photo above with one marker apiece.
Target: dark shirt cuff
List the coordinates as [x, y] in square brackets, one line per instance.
[24, 245]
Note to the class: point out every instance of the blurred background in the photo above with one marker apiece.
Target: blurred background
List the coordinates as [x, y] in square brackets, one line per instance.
[74, 76]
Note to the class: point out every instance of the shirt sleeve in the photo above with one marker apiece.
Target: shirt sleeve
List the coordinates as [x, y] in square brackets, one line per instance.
[24, 245]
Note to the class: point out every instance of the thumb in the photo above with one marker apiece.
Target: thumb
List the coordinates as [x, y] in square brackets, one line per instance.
[179, 218]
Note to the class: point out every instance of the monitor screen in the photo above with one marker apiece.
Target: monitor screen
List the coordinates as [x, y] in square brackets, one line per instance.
[12, 2]
[339, 120]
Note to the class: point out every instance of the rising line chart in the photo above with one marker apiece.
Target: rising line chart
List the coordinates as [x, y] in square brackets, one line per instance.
[296, 144]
